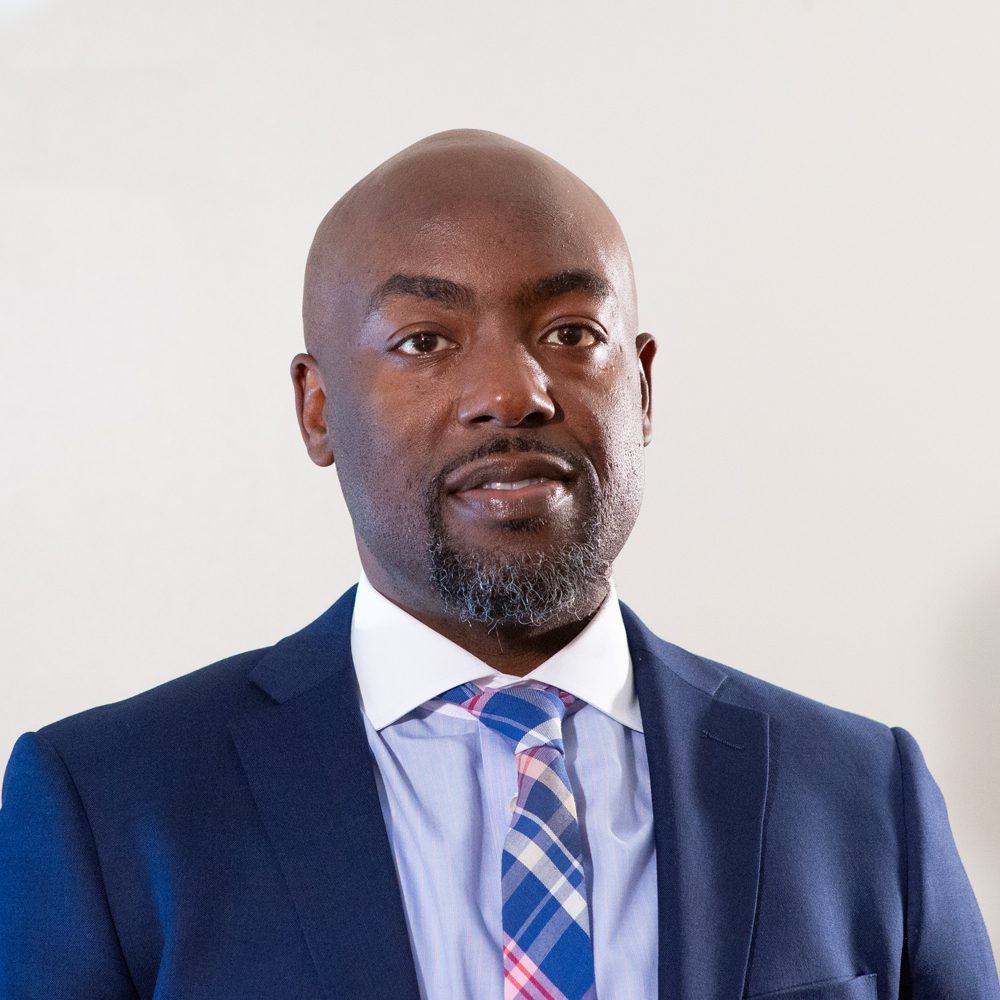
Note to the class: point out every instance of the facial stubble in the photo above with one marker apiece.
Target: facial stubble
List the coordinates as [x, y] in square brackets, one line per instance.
[522, 585]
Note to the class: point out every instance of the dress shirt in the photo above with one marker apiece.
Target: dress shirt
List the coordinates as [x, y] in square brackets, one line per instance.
[447, 783]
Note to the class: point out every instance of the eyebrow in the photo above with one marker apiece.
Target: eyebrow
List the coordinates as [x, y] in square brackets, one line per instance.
[553, 285]
[423, 286]
[458, 296]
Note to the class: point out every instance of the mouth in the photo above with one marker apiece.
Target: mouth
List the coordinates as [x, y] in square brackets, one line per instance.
[510, 487]
[510, 471]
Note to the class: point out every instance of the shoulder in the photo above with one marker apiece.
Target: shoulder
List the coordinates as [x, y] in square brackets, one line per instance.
[806, 737]
[832, 773]
[818, 746]
[165, 719]
[794, 711]
[189, 710]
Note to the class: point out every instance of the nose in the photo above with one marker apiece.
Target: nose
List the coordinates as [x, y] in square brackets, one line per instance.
[505, 386]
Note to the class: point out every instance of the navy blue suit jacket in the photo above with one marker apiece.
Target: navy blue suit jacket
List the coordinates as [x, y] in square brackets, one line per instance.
[221, 837]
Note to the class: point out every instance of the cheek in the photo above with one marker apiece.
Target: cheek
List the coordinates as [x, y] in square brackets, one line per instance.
[615, 396]
[383, 435]
[620, 433]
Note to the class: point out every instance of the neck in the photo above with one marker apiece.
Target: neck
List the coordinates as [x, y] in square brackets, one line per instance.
[511, 649]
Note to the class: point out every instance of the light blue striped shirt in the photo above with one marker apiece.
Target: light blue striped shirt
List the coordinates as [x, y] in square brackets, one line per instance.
[446, 783]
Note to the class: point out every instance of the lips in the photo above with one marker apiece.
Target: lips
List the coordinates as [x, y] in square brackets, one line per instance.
[511, 487]
[509, 472]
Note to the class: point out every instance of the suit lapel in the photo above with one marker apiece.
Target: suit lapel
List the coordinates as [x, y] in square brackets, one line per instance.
[307, 759]
[708, 769]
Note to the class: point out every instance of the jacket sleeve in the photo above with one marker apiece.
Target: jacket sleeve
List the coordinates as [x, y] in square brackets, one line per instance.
[947, 949]
[57, 937]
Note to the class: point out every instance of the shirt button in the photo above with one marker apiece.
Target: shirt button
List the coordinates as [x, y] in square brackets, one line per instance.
[513, 803]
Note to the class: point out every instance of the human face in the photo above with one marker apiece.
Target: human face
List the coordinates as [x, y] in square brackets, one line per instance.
[488, 409]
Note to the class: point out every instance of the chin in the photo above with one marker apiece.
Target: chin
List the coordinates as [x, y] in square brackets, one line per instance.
[522, 585]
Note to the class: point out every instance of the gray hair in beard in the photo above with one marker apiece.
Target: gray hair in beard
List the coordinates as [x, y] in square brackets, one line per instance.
[530, 588]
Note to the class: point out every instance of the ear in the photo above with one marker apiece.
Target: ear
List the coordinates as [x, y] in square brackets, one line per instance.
[310, 408]
[645, 347]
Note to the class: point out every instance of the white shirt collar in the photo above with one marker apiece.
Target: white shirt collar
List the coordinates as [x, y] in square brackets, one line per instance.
[401, 663]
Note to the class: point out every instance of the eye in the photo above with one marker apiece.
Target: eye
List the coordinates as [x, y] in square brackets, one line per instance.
[424, 342]
[573, 335]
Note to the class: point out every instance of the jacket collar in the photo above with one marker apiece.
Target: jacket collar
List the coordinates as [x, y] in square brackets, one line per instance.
[306, 658]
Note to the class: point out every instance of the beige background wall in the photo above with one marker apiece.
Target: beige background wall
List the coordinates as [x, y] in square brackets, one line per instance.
[810, 190]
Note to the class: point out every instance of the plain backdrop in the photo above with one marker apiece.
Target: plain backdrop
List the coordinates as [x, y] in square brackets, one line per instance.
[810, 192]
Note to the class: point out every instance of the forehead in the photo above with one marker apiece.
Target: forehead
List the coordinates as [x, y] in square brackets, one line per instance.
[496, 249]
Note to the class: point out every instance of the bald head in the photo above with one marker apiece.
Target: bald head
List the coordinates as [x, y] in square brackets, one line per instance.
[481, 188]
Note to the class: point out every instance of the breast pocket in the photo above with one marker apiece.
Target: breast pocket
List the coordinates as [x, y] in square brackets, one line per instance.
[855, 988]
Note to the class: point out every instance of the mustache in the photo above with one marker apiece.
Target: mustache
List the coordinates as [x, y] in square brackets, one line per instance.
[506, 446]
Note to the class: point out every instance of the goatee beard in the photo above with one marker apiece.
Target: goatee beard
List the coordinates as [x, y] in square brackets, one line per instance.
[553, 583]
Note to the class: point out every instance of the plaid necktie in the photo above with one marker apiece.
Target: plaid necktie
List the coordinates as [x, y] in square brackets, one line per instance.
[547, 952]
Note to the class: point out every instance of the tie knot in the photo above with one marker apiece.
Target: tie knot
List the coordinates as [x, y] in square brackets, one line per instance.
[528, 716]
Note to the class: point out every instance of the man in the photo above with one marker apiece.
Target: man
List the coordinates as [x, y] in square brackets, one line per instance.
[477, 774]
